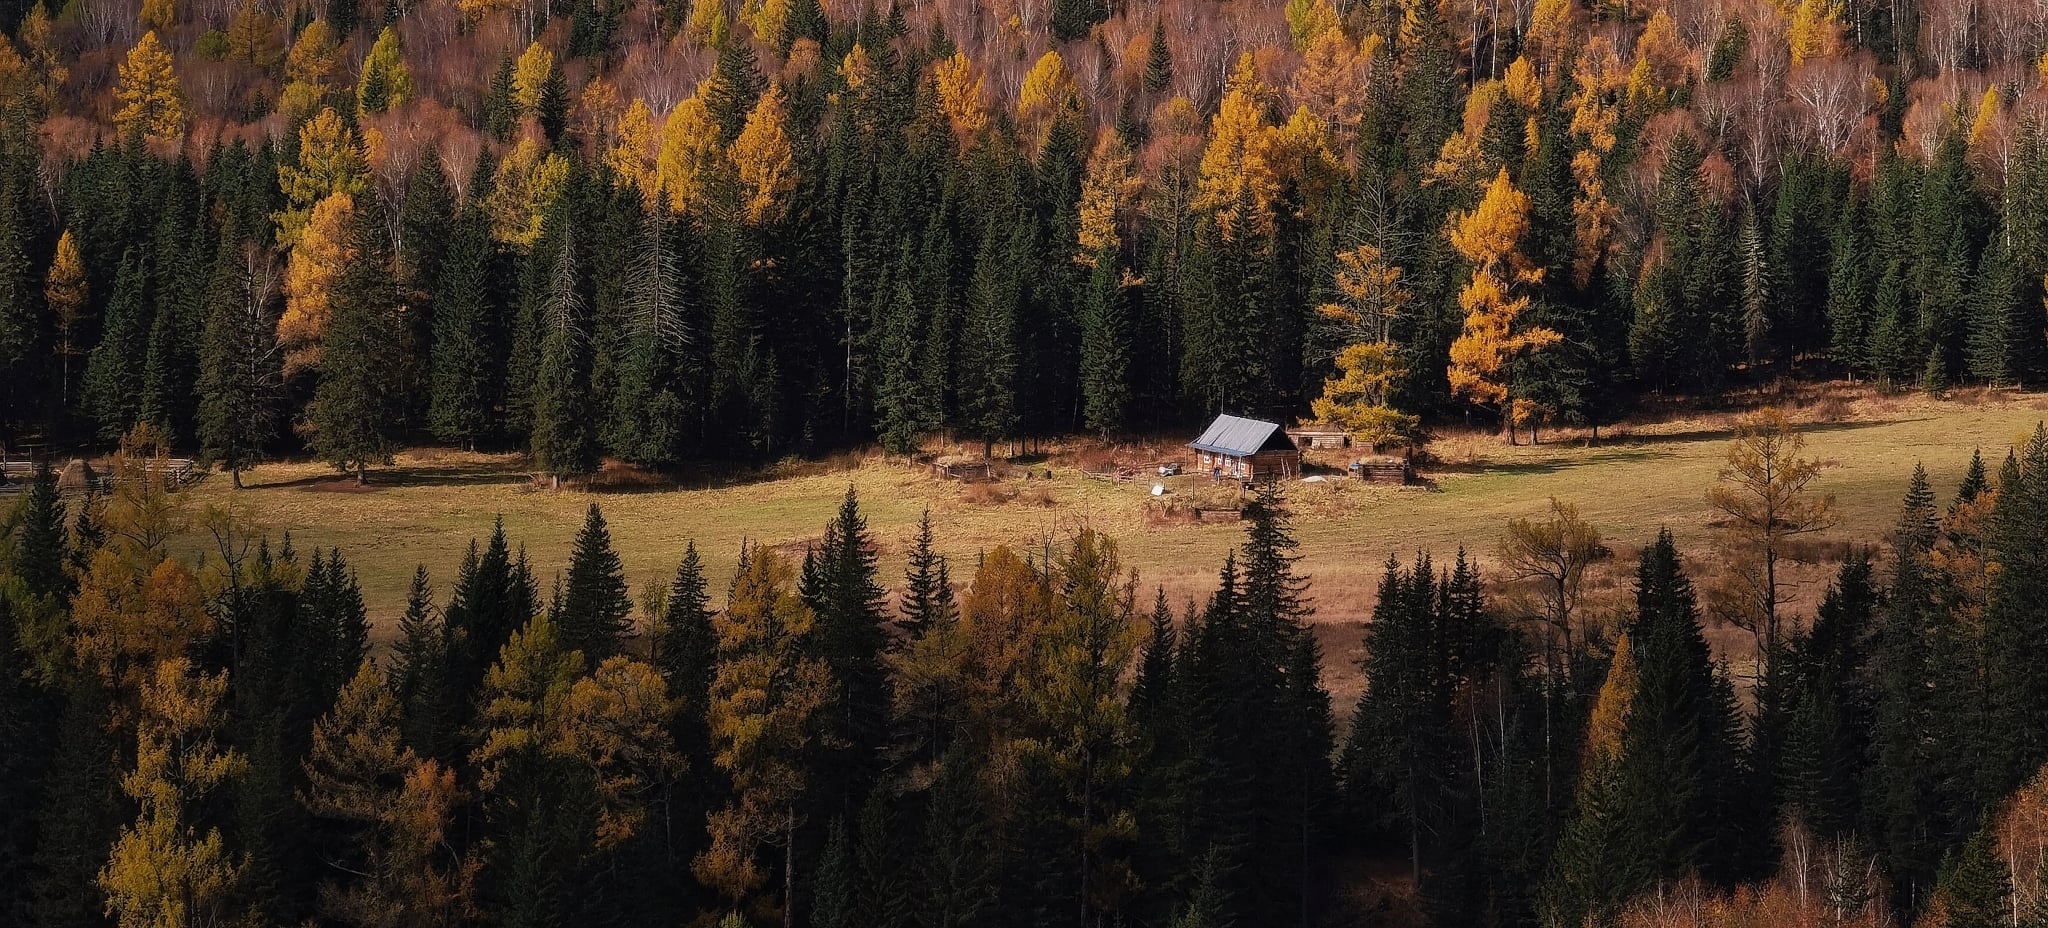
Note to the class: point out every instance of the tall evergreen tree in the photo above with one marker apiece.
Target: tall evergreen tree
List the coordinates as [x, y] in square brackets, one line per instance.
[594, 614]
[356, 406]
[839, 584]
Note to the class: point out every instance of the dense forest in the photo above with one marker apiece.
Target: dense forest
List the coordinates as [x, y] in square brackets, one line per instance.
[1029, 739]
[669, 232]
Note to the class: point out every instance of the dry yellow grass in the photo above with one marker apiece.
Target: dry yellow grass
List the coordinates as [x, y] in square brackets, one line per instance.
[427, 509]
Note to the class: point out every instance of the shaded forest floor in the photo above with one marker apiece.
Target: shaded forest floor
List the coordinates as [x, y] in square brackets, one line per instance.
[1640, 476]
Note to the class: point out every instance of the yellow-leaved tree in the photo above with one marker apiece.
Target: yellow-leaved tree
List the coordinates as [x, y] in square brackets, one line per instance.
[159, 14]
[1238, 184]
[164, 870]
[152, 101]
[311, 69]
[1763, 496]
[1309, 20]
[767, 710]
[331, 161]
[691, 158]
[1494, 336]
[386, 81]
[1106, 194]
[530, 77]
[253, 37]
[763, 161]
[1369, 368]
[960, 98]
[1815, 31]
[66, 292]
[631, 153]
[316, 262]
[527, 184]
[1048, 90]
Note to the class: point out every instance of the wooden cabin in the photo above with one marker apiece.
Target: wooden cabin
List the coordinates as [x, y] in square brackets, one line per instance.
[1246, 449]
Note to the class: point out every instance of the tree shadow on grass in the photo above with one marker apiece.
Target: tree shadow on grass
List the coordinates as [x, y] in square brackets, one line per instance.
[394, 478]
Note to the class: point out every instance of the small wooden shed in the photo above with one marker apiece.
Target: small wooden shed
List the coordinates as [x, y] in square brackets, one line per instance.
[1246, 449]
[1310, 437]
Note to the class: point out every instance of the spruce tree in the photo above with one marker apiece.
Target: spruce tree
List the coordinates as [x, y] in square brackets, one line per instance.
[1106, 346]
[356, 406]
[920, 601]
[419, 671]
[564, 440]
[113, 373]
[466, 364]
[594, 614]
[988, 342]
[1158, 59]
[839, 584]
[501, 114]
[41, 546]
[236, 374]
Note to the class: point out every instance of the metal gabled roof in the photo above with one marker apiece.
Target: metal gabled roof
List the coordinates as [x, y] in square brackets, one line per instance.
[1239, 437]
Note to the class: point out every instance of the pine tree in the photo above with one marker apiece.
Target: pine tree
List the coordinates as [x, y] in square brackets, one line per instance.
[356, 405]
[594, 614]
[923, 599]
[501, 114]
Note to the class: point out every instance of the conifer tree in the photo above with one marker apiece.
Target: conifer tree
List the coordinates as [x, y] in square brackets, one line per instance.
[40, 548]
[594, 614]
[1106, 346]
[236, 363]
[988, 342]
[419, 671]
[840, 586]
[356, 405]
[1158, 59]
[564, 440]
[466, 365]
[113, 374]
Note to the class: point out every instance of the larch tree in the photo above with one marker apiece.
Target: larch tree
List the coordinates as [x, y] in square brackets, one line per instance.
[1369, 366]
[763, 162]
[1494, 336]
[768, 706]
[67, 293]
[170, 867]
[1763, 496]
[152, 100]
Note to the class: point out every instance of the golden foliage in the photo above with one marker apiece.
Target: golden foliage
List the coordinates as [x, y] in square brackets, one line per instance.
[1331, 83]
[1986, 124]
[1107, 192]
[1048, 90]
[65, 291]
[1521, 84]
[253, 37]
[1357, 399]
[691, 157]
[316, 261]
[1550, 30]
[1669, 60]
[315, 58]
[128, 617]
[1238, 183]
[528, 183]
[530, 76]
[1557, 552]
[767, 704]
[857, 67]
[331, 161]
[1487, 236]
[631, 154]
[1763, 496]
[152, 101]
[388, 59]
[159, 15]
[1309, 20]
[1815, 31]
[1610, 711]
[39, 45]
[769, 19]
[960, 98]
[1373, 298]
[163, 872]
[763, 160]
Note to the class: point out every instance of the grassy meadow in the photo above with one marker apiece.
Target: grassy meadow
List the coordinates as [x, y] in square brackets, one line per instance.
[1640, 476]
